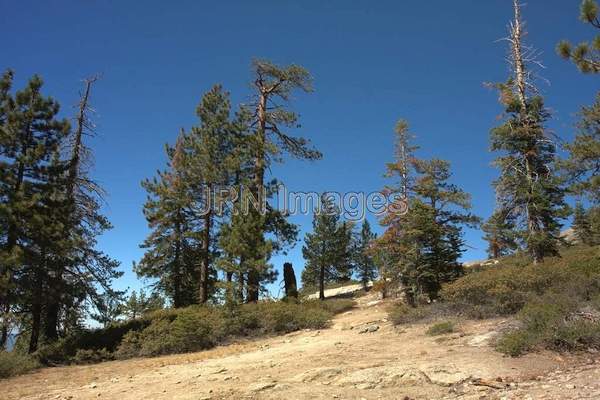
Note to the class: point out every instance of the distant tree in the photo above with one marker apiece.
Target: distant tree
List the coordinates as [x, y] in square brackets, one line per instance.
[172, 248]
[108, 310]
[581, 224]
[139, 304]
[424, 242]
[327, 248]
[528, 189]
[366, 268]
[585, 55]
[500, 234]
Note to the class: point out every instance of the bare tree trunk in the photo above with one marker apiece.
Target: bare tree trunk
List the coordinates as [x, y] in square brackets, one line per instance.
[521, 89]
[289, 279]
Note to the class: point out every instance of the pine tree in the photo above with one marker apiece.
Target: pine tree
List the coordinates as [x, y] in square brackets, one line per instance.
[528, 188]
[80, 274]
[585, 55]
[210, 165]
[582, 166]
[139, 304]
[29, 148]
[365, 263]
[581, 224]
[172, 246]
[327, 249]
[500, 234]
[274, 85]
[423, 244]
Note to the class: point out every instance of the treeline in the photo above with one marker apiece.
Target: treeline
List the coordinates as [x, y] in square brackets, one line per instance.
[51, 272]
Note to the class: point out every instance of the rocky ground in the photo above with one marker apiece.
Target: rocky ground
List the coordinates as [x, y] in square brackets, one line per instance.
[362, 356]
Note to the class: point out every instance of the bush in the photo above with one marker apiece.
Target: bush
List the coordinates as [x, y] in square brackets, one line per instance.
[516, 343]
[441, 328]
[506, 288]
[198, 327]
[549, 322]
[334, 306]
[402, 313]
[14, 363]
[92, 356]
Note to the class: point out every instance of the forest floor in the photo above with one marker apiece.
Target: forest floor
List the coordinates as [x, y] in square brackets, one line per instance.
[361, 356]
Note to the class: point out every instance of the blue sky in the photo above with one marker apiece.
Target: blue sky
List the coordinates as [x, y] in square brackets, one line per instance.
[373, 63]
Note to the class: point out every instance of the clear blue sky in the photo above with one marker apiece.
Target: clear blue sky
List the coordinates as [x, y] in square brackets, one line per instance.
[373, 62]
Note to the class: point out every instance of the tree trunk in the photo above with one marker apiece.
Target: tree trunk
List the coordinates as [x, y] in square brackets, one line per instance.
[253, 286]
[36, 312]
[51, 322]
[204, 268]
[322, 283]
[259, 176]
[521, 86]
[289, 279]
[241, 288]
[5, 325]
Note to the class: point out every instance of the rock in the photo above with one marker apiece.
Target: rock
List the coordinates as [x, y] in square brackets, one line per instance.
[316, 374]
[482, 340]
[260, 386]
[369, 329]
[93, 385]
[365, 386]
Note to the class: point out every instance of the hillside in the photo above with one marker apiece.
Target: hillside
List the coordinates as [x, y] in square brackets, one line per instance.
[362, 356]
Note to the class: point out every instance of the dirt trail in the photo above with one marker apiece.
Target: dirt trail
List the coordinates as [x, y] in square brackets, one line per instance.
[362, 356]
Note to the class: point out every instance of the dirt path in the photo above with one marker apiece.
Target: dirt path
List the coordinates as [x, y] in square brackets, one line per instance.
[342, 362]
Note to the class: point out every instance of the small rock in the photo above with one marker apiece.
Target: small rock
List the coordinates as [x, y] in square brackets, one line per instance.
[93, 385]
[257, 387]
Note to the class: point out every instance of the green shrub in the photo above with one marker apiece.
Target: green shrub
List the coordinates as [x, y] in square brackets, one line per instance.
[517, 342]
[334, 306]
[577, 335]
[92, 356]
[441, 328]
[402, 313]
[504, 289]
[197, 327]
[14, 363]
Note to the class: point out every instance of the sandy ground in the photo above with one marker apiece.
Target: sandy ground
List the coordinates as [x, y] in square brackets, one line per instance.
[342, 362]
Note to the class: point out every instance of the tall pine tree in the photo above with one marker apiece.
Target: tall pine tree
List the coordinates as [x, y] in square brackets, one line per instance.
[528, 189]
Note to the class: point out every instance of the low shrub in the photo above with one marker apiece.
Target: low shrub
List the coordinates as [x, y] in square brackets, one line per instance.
[441, 328]
[402, 313]
[92, 356]
[550, 322]
[517, 342]
[14, 363]
[334, 306]
[197, 328]
[504, 289]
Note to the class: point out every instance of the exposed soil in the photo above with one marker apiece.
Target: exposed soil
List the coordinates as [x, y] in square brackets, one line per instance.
[362, 356]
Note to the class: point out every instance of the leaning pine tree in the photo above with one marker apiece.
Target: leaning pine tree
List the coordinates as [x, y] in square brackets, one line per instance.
[274, 85]
[528, 189]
